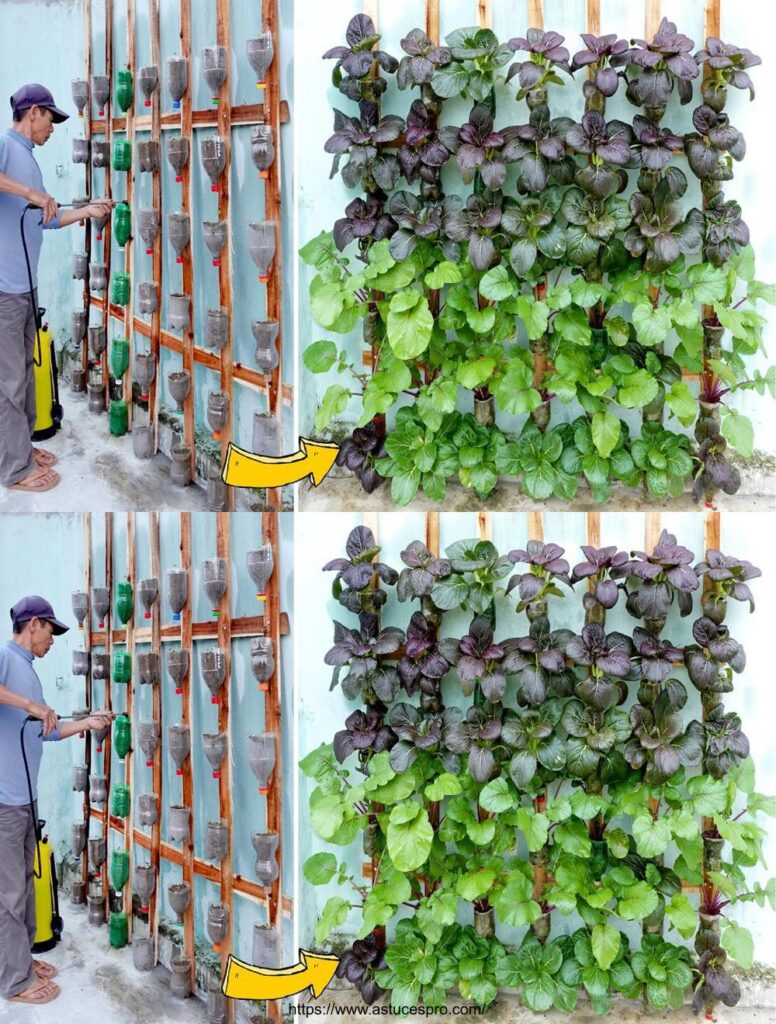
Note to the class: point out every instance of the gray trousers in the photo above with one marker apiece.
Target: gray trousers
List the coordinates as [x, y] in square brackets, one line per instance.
[17, 899]
[17, 386]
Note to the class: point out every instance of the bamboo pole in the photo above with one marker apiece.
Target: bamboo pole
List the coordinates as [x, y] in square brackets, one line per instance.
[87, 639]
[108, 229]
[535, 14]
[652, 16]
[187, 204]
[156, 696]
[593, 16]
[186, 718]
[128, 760]
[484, 13]
[156, 260]
[108, 703]
[87, 36]
[432, 21]
[535, 526]
[129, 245]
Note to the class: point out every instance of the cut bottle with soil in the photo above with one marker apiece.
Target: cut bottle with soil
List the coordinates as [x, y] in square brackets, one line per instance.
[265, 845]
[178, 660]
[262, 661]
[178, 311]
[217, 328]
[177, 592]
[144, 884]
[144, 371]
[179, 233]
[179, 384]
[80, 151]
[212, 152]
[180, 465]
[148, 156]
[148, 739]
[260, 52]
[214, 581]
[217, 412]
[148, 668]
[177, 79]
[261, 565]
[217, 840]
[179, 823]
[214, 745]
[148, 227]
[265, 946]
[148, 592]
[148, 809]
[262, 241]
[178, 154]
[261, 757]
[266, 434]
[217, 924]
[100, 154]
[265, 333]
[215, 233]
[79, 89]
[178, 745]
[97, 340]
[212, 665]
[262, 148]
[148, 80]
[214, 68]
[100, 92]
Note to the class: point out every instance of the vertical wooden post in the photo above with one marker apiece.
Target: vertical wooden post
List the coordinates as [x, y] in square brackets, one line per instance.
[186, 716]
[535, 526]
[484, 13]
[130, 649]
[432, 25]
[88, 648]
[652, 530]
[535, 14]
[187, 205]
[156, 203]
[108, 742]
[593, 16]
[156, 771]
[652, 16]
[126, 392]
[108, 229]
[87, 27]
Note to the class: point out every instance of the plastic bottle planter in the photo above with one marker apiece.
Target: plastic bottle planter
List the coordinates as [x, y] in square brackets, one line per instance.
[212, 152]
[217, 328]
[118, 418]
[178, 745]
[217, 412]
[180, 977]
[143, 442]
[96, 397]
[148, 738]
[178, 660]
[79, 601]
[212, 664]
[98, 789]
[100, 154]
[144, 370]
[265, 333]
[122, 667]
[214, 233]
[78, 202]
[80, 266]
[148, 592]
[179, 385]
[214, 746]
[80, 663]
[262, 148]
[147, 298]
[98, 853]
[179, 233]
[265, 946]
[144, 884]
[80, 778]
[96, 912]
[120, 801]
[261, 757]
[124, 89]
[217, 491]
[179, 823]
[262, 661]
[260, 53]
[216, 1006]
[261, 565]
[100, 92]
[79, 89]
[98, 340]
[266, 438]
[214, 582]
[261, 245]
[148, 156]
[214, 69]
[78, 892]
[80, 151]
[120, 290]
[78, 838]
[177, 596]
[99, 225]
[122, 736]
[100, 666]
[148, 80]
[148, 809]
[178, 315]
[178, 154]
[122, 155]
[143, 956]
[122, 224]
[119, 930]
[124, 601]
[78, 380]
[217, 924]
[78, 714]
[148, 227]
[78, 325]
[217, 840]
[148, 668]
[177, 79]
[119, 357]
[98, 277]
[265, 844]
[100, 604]
[180, 465]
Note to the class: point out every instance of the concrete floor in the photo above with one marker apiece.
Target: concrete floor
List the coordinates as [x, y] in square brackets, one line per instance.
[99, 472]
[101, 983]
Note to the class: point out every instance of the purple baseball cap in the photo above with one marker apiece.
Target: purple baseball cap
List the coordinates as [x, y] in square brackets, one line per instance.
[34, 607]
[36, 95]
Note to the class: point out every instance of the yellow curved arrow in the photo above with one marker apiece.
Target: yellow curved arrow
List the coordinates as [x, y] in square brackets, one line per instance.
[244, 981]
[244, 469]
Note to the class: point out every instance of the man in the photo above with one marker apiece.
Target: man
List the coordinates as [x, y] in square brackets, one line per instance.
[23, 467]
[23, 979]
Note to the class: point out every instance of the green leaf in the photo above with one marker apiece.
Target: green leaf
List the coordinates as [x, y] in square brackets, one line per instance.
[481, 320]
[475, 372]
[474, 884]
[617, 329]
[335, 400]
[652, 835]
[442, 274]
[442, 786]
[335, 913]
[652, 323]
[481, 832]
[534, 825]
[327, 299]
[320, 356]
[617, 841]
[320, 868]
[605, 941]
[637, 389]
[637, 902]
[410, 835]
[497, 796]
[682, 915]
[738, 943]
[738, 430]
[605, 430]
[409, 324]
[572, 837]
[497, 284]
[572, 325]
[706, 795]
[707, 283]
[534, 314]
[682, 403]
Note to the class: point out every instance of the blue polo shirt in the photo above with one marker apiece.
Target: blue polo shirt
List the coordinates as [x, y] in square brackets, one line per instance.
[18, 162]
[17, 673]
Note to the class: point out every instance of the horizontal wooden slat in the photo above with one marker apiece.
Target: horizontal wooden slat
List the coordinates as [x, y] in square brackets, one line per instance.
[249, 113]
[252, 625]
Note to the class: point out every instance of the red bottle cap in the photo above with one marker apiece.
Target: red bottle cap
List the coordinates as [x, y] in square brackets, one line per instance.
[81, 735]
[81, 626]
[149, 252]
[149, 764]
[102, 625]
[216, 435]
[148, 103]
[178, 178]
[144, 910]
[217, 947]
[179, 771]
[263, 174]
[264, 789]
[214, 188]
[101, 113]
[216, 263]
[178, 689]
[179, 259]
[263, 687]
[99, 750]
[216, 775]
[144, 397]
[215, 700]
[148, 615]
[264, 278]
[99, 238]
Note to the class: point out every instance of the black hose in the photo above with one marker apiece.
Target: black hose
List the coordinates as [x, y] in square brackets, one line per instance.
[31, 206]
[38, 829]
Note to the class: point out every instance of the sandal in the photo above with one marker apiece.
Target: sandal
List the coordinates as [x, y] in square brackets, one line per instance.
[38, 480]
[44, 970]
[38, 994]
[44, 458]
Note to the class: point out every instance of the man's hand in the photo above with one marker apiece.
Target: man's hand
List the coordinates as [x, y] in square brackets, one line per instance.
[47, 716]
[47, 203]
[97, 209]
[98, 720]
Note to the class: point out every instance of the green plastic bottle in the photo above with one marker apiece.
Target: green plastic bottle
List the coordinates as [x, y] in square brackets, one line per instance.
[119, 293]
[122, 155]
[119, 418]
[119, 357]
[122, 667]
[124, 90]
[122, 736]
[124, 601]
[119, 869]
[122, 224]
[120, 805]
[119, 930]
